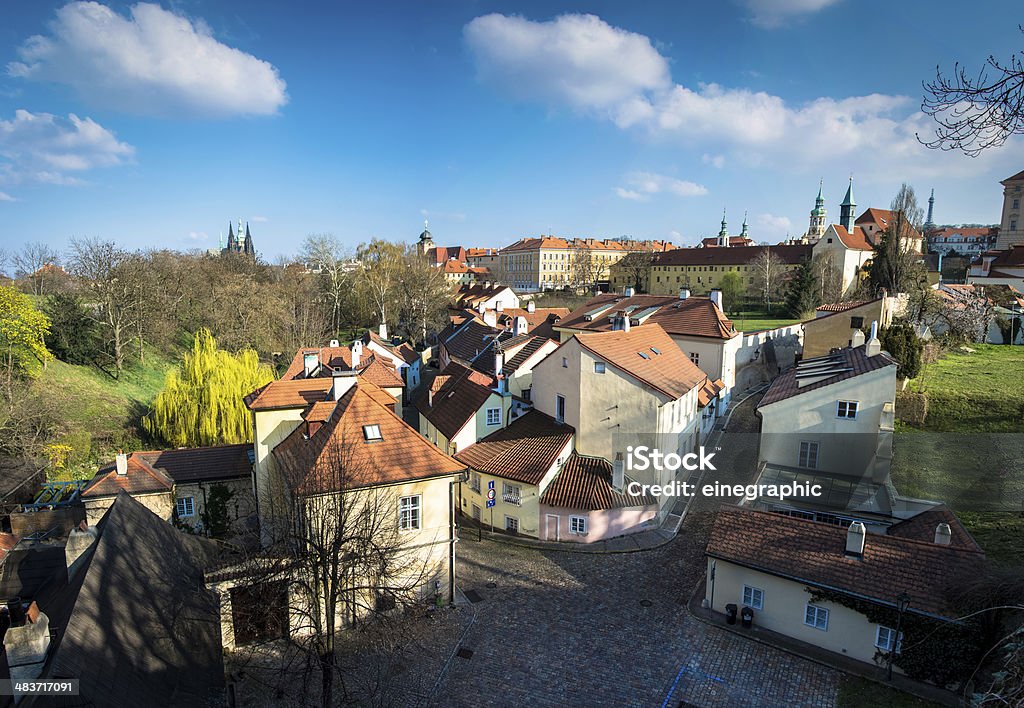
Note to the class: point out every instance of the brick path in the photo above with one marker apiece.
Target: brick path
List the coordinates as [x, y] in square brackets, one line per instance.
[613, 630]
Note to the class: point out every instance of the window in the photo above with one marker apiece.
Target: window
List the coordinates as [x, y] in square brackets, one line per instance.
[578, 525]
[816, 617]
[372, 433]
[409, 513]
[559, 408]
[1016, 203]
[1013, 224]
[695, 358]
[884, 637]
[474, 481]
[753, 597]
[808, 455]
[511, 524]
[598, 367]
[565, 363]
[846, 409]
[526, 394]
[856, 323]
[185, 506]
[511, 494]
[493, 416]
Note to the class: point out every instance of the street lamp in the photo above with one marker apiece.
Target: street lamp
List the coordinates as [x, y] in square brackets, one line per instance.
[902, 603]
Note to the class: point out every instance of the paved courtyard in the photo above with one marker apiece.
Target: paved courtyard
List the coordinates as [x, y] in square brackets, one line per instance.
[554, 628]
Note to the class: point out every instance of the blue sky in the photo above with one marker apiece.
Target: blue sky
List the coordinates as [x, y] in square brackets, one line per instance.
[157, 124]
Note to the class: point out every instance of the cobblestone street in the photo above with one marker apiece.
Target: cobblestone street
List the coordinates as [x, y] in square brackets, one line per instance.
[556, 628]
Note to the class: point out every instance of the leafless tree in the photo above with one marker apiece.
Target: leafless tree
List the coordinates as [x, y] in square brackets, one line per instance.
[974, 112]
[380, 274]
[829, 276]
[326, 254]
[339, 560]
[895, 267]
[583, 269]
[108, 272]
[637, 268]
[31, 264]
[424, 296]
[769, 273]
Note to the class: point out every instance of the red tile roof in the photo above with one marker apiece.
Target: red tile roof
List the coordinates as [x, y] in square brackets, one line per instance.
[709, 391]
[740, 255]
[154, 470]
[141, 478]
[377, 370]
[524, 451]
[585, 483]
[402, 350]
[694, 316]
[457, 401]
[842, 306]
[1012, 256]
[646, 353]
[922, 527]
[554, 242]
[712, 242]
[294, 393]
[812, 553]
[337, 456]
[470, 294]
[848, 362]
[858, 240]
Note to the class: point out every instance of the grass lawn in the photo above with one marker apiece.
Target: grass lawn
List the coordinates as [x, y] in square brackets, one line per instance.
[856, 692]
[756, 324]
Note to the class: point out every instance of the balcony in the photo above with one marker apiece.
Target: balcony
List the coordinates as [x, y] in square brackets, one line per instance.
[513, 499]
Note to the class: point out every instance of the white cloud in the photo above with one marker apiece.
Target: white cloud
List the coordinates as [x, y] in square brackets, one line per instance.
[197, 236]
[717, 161]
[770, 14]
[774, 225]
[644, 184]
[5, 197]
[581, 62]
[259, 219]
[42, 147]
[152, 62]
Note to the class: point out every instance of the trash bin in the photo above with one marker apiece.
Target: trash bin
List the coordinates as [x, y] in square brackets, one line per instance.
[730, 613]
[748, 617]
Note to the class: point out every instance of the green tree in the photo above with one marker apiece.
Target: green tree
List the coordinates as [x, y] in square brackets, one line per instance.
[74, 336]
[902, 342]
[895, 267]
[802, 294]
[201, 403]
[732, 289]
[23, 331]
[216, 515]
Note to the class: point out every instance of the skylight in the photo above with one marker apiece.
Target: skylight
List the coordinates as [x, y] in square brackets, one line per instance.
[655, 350]
[372, 433]
[644, 355]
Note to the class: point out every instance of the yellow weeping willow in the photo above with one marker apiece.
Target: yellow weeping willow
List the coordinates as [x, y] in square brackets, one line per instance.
[201, 403]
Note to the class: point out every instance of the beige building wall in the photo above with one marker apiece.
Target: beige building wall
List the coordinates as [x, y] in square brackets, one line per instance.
[240, 507]
[1011, 227]
[160, 503]
[849, 633]
[269, 429]
[848, 260]
[823, 334]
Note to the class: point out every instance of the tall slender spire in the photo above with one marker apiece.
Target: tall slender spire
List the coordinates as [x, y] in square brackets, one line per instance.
[847, 208]
[723, 234]
[744, 232]
[931, 208]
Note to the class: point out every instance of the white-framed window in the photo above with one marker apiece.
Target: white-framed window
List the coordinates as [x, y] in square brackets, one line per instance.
[371, 433]
[808, 455]
[185, 506]
[511, 524]
[695, 358]
[559, 407]
[846, 409]
[598, 367]
[474, 481]
[493, 416]
[511, 493]
[578, 525]
[565, 362]
[817, 617]
[753, 597]
[885, 637]
[409, 512]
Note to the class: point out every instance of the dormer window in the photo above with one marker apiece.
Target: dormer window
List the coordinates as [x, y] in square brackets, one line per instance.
[371, 433]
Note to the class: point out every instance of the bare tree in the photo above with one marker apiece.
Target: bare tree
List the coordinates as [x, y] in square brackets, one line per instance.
[107, 272]
[974, 112]
[637, 268]
[424, 297]
[342, 557]
[895, 267]
[33, 262]
[769, 273]
[829, 276]
[382, 265]
[327, 256]
[583, 269]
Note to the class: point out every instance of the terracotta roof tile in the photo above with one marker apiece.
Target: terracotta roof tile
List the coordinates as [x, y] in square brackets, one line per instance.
[294, 393]
[922, 527]
[741, 255]
[842, 306]
[648, 354]
[524, 451]
[848, 362]
[339, 456]
[585, 483]
[141, 478]
[458, 399]
[812, 553]
[709, 391]
[694, 316]
[858, 240]
[156, 470]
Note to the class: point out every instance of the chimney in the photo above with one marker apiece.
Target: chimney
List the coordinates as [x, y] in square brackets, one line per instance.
[857, 339]
[491, 318]
[357, 353]
[531, 306]
[873, 347]
[520, 325]
[618, 472]
[716, 297]
[121, 462]
[481, 307]
[684, 293]
[629, 291]
[499, 360]
[621, 321]
[382, 331]
[78, 543]
[335, 343]
[943, 534]
[855, 539]
[499, 306]
[310, 360]
[342, 382]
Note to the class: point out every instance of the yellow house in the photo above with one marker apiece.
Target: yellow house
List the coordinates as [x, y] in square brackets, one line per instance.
[462, 406]
[819, 582]
[701, 270]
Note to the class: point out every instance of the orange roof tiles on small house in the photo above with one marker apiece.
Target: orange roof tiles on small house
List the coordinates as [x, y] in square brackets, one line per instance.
[524, 451]
[693, 316]
[585, 484]
[153, 471]
[453, 404]
[857, 240]
[131, 472]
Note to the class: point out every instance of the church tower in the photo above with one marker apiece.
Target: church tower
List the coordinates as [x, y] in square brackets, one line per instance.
[745, 232]
[723, 234]
[846, 209]
[819, 216]
[426, 240]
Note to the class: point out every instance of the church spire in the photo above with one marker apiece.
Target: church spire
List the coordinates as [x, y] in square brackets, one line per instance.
[723, 234]
[846, 209]
[744, 233]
